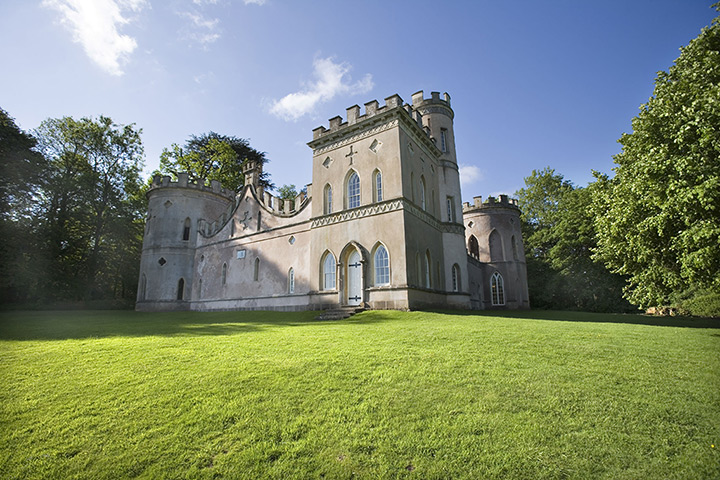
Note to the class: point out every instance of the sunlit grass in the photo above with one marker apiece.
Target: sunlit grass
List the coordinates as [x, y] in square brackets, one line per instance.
[381, 395]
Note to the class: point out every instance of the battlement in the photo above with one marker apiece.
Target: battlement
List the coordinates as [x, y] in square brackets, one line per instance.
[276, 205]
[163, 181]
[373, 108]
[501, 201]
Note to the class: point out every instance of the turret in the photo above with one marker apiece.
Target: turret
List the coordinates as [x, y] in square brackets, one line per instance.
[175, 210]
[494, 240]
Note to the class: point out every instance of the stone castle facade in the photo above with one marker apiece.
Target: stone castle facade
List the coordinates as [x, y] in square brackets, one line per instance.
[382, 226]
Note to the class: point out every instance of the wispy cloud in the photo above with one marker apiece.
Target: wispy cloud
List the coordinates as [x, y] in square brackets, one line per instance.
[331, 79]
[469, 174]
[95, 25]
[254, 2]
[204, 30]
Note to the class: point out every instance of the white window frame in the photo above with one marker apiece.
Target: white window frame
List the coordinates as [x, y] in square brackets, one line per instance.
[381, 265]
[497, 289]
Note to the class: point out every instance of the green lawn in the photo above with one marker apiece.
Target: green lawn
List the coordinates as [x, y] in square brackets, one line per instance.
[527, 395]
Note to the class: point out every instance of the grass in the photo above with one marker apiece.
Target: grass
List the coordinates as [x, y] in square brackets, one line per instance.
[535, 395]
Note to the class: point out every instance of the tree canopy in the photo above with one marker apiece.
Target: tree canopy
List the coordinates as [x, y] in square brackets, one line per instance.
[559, 237]
[659, 217]
[213, 156]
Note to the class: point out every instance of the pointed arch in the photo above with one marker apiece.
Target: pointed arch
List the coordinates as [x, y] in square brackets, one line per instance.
[473, 247]
[327, 199]
[456, 278]
[381, 265]
[328, 269]
[497, 289]
[352, 190]
[422, 192]
[291, 280]
[377, 186]
[256, 270]
[186, 229]
[495, 246]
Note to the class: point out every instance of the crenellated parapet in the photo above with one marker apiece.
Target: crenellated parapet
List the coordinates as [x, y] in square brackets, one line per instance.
[500, 201]
[374, 109]
[160, 181]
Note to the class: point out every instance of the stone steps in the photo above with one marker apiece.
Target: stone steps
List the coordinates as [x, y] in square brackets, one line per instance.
[339, 313]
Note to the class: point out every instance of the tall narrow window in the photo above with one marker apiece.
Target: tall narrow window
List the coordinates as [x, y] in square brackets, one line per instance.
[143, 287]
[422, 192]
[224, 273]
[186, 230]
[412, 186]
[381, 263]
[455, 278]
[450, 209]
[259, 221]
[353, 190]
[513, 243]
[181, 289]
[497, 289]
[473, 246]
[428, 263]
[256, 271]
[328, 267]
[443, 140]
[418, 270]
[291, 281]
[495, 244]
[378, 186]
[327, 200]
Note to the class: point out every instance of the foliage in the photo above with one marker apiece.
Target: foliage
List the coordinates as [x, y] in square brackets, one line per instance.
[212, 156]
[559, 237]
[382, 395]
[89, 212]
[660, 220]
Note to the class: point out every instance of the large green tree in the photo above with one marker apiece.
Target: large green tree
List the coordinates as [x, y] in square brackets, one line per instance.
[213, 156]
[90, 208]
[21, 179]
[659, 217]
[559, 233]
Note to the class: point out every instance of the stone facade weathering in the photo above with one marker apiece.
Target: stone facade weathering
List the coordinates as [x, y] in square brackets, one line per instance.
[382, 226]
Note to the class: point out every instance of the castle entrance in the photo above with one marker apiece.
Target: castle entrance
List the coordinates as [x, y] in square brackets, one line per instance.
[354, 278]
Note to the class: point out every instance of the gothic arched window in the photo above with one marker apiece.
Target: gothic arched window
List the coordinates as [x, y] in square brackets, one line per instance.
[181, 289]
[186, 229]
[328, 272]
[473, 246]
[455, 278]
[378, 186]
[291, 280]
[381, 263]
[327, 199]
[497, 289]
[353, 190]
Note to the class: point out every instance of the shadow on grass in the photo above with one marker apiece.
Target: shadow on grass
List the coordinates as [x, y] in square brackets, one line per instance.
[80, 324]
[567, 316]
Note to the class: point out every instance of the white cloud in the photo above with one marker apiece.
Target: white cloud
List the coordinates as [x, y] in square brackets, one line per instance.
[254, 2]
[469, 174]
[95, 24]
[331, 79]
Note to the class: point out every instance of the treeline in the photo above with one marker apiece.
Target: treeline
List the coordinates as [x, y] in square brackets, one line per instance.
[649, 236]
[72, 206]
[72, 211]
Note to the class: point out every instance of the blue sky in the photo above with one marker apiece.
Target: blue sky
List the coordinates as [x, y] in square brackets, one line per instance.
[533, 83]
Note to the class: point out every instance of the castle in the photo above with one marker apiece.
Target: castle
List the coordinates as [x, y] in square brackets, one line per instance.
[382, 226]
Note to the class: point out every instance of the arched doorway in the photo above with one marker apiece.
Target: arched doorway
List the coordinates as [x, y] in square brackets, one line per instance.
[354, 278]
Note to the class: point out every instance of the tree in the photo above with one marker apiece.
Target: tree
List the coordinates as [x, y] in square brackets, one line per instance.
[659, 217]
[558, 228]
[212, 156]
[21, 178]
[90, 216]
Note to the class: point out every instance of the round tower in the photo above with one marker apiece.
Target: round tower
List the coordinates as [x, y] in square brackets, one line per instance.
[494, 240]
[437, 119]
[171, 230]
